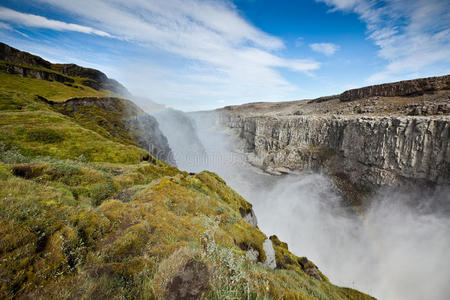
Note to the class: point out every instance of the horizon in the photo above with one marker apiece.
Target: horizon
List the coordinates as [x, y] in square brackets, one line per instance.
[202, 55]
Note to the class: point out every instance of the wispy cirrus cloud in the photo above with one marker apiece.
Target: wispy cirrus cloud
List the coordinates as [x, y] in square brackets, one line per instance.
[5, 26]
[411, 35]
[324, 48]
[30, 20]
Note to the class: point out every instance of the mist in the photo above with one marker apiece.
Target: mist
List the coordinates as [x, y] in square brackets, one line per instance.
[396, 249]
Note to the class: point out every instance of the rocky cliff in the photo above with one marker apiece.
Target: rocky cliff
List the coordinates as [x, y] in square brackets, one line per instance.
[402, 88]
[360, 152]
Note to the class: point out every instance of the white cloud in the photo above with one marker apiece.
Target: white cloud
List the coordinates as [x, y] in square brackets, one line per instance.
[30, 20]
[5, 26]
[340, 4]
[412, 35]
[324, 48]
[224, 55]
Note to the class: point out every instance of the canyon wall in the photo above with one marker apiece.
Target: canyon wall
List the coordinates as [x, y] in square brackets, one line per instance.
[413, 87]
[365, 152]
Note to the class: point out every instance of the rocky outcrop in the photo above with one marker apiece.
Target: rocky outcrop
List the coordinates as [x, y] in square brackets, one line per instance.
[189, 284]
[402, 88]
[32, 66]
[270, 254]
[122, 119]
[310, 268]
[94, 78]
[35, 73]
[363, 151]
[13, 55]
[251, 219]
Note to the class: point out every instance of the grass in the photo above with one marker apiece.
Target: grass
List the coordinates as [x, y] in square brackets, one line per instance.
[51, 90]
[36, 129]
[46, 133]
[82, 216]
[110, 122]
[64, 233]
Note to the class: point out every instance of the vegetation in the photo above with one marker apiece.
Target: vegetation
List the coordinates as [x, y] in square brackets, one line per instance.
[83, 216]
[52, 90]
[35, 128]
[71, 228]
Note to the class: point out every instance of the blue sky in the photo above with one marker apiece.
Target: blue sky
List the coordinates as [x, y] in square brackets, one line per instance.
[203, 54]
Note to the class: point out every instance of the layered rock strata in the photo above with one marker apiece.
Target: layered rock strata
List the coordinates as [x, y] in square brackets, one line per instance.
[365, 151]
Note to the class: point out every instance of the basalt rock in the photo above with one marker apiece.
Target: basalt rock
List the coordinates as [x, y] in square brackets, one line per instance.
[402, 88]
[367, 152]
[35, 73]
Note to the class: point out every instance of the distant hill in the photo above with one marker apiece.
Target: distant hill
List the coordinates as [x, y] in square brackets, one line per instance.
[28, 65]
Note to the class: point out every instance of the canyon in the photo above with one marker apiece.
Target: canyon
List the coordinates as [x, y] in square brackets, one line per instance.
[357, 182]
[93, 206]
[361, 151]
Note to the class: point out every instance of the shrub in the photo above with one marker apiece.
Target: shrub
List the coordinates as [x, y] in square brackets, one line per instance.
[102, 191]
[11, 155]
[229, 279]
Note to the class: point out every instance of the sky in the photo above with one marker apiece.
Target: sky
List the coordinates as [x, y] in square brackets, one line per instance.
[204, 54]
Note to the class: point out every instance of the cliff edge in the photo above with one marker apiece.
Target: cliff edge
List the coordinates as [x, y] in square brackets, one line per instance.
[367, 143]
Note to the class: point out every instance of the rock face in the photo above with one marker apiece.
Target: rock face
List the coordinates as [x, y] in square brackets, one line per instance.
[13, 55]
[122, 119]
[35, 73]
[366, 151]
[251, 218]
[402, 88]
[384, 135]
[95, 79]
[270, 254]
[190, 284]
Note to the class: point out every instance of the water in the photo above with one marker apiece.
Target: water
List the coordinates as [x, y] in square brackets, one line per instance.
[397, 249]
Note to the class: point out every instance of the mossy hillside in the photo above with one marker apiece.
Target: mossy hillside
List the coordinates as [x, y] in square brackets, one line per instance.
[79, 229]
[52, 90]
[106, 116]
[286, 260]
[46, 133]
[24, 102]
[34, 128]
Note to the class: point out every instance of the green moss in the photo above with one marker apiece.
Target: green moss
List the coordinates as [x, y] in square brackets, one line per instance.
[74, 141]
[217, 186]
[45, 135]
[123, 242]
[51, 90]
